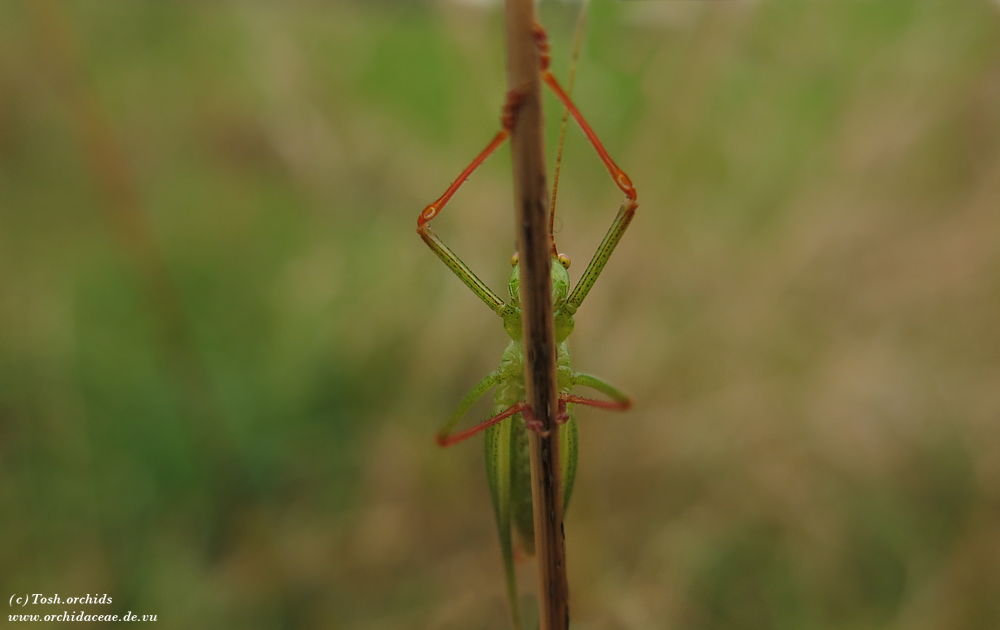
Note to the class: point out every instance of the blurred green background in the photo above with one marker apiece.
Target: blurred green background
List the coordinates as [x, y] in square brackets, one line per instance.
[224, 352]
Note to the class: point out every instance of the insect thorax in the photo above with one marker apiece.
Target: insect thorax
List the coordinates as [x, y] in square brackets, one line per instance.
[511, 387]
[562, 311]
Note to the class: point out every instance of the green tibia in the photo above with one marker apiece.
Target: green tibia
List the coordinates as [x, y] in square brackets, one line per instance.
[458, 266]
[601, 256]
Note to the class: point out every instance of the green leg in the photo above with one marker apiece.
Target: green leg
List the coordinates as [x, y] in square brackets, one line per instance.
[600, 259]
[622, 400]
[461, 270]
[444, 437]
[437, 245]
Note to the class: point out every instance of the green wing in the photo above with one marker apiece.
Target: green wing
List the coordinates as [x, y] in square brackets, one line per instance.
[508, 472]
[498, 474]
[568, 444]
[520, 488]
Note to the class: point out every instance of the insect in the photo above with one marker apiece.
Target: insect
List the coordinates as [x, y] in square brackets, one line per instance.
[506, 437]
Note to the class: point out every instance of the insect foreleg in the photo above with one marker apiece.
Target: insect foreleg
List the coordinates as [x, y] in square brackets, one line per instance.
[444, 252]
[461, 270]
[601, 256]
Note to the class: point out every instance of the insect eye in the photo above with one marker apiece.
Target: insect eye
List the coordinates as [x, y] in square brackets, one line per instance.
[564, 260]
[513, 260]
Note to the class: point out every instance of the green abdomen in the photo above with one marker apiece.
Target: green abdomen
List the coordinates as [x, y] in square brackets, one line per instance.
[508, 393]
[522, 515]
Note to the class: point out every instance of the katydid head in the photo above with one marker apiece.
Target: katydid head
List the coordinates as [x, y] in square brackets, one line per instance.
[560, 294]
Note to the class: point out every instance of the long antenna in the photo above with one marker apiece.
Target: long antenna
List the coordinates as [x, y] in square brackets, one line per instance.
[581, 22]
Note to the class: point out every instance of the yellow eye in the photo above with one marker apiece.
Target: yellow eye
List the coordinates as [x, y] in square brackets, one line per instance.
[564, 260]
[513, 260]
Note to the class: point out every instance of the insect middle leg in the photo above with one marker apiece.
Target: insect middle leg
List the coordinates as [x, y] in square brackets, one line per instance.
[445, 437]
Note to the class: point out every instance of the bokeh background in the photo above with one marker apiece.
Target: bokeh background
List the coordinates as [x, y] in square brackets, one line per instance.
[224, 351]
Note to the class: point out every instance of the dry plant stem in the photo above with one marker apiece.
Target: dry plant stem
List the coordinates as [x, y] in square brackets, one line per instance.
[534, 245]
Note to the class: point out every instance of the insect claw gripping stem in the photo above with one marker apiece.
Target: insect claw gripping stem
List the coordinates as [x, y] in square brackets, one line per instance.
[510, 107]
[562, 417]
[532, 423]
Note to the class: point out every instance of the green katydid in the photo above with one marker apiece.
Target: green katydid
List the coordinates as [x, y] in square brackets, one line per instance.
[506, 437]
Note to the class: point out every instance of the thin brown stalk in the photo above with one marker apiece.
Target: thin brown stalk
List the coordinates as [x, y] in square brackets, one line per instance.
[534, 245]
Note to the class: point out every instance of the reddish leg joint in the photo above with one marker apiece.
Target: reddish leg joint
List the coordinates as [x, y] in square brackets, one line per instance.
[562, 417]
[508, 118]
[530, 421]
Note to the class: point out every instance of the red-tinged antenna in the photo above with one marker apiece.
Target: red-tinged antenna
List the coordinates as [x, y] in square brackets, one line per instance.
[581, 22]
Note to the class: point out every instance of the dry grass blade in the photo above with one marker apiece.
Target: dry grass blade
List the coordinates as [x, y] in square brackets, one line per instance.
[534, 240]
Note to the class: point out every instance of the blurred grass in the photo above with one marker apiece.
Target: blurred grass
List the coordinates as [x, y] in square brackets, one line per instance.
[805, 311]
